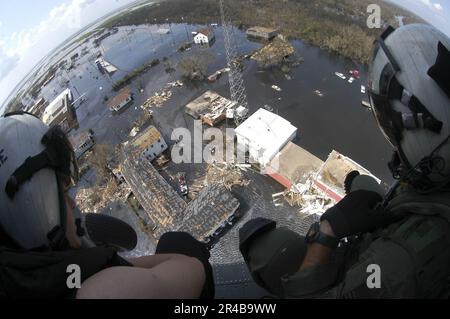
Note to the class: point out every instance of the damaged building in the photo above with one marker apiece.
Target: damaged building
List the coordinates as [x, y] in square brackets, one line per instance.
[274, 53]
[331, 176]
[210, 107]
[262, 33]
[160, 201]
[293, 165]
[167, 211]
[149, 144]
[213, 206]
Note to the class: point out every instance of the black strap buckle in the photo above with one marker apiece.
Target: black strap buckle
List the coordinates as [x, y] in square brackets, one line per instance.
[57, 239]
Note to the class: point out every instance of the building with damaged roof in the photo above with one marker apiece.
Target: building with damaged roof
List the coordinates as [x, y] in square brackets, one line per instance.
[293, 165]
[213, 206]
[210, 107]
[160, 201]
[167, 211]
[149, 144]
[331, 176]
[262, 33]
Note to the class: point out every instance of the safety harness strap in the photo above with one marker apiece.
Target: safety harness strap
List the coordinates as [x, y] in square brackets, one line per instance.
[32, 165]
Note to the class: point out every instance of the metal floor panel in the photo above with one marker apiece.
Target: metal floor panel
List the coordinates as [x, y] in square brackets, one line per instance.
[233, 281]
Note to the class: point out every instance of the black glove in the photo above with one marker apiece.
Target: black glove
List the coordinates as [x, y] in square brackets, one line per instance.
[357, 213]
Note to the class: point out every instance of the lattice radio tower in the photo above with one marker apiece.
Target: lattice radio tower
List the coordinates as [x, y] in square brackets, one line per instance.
[237, 88]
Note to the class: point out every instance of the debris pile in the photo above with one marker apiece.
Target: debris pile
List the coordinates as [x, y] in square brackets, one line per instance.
[274, 53]
[96, 199]
[134, 132]
[229, 175]
[162, 96]
[161, 161]
[216, 75]
[308, 197]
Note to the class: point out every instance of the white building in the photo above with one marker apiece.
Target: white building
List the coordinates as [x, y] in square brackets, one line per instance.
[204, 36]
[105, 66]
[150, 144]
[59, 111]
[263, 135]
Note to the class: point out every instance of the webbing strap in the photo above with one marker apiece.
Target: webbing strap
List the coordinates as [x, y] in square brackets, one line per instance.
[26, 171]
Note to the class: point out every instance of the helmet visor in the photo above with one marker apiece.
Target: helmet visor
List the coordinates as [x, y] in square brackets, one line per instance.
[388, 120]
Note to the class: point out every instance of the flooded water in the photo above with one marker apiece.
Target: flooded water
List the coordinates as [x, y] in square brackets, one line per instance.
[334, 121]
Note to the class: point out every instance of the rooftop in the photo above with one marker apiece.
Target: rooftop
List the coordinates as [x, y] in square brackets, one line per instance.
[165, 208]
[262, 29]
[266, 130]
[334, 171]
[163, 205]
[210, 104]
[59, 104]
[147, 138]
[212, 206]
[206, 31]
[275, 50]
[295, 164]
[119, 98]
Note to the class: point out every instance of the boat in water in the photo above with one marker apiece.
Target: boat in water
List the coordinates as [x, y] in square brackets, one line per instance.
[340, 75]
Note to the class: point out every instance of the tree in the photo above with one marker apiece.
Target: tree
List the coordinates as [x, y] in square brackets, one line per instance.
[99, 161]
[195, 68]
[168, 66]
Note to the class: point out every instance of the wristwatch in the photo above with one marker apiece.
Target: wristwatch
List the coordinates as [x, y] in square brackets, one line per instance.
[315, 236]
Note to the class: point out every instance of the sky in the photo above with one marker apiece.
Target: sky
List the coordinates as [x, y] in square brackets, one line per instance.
[436, 12]
[30, 29]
